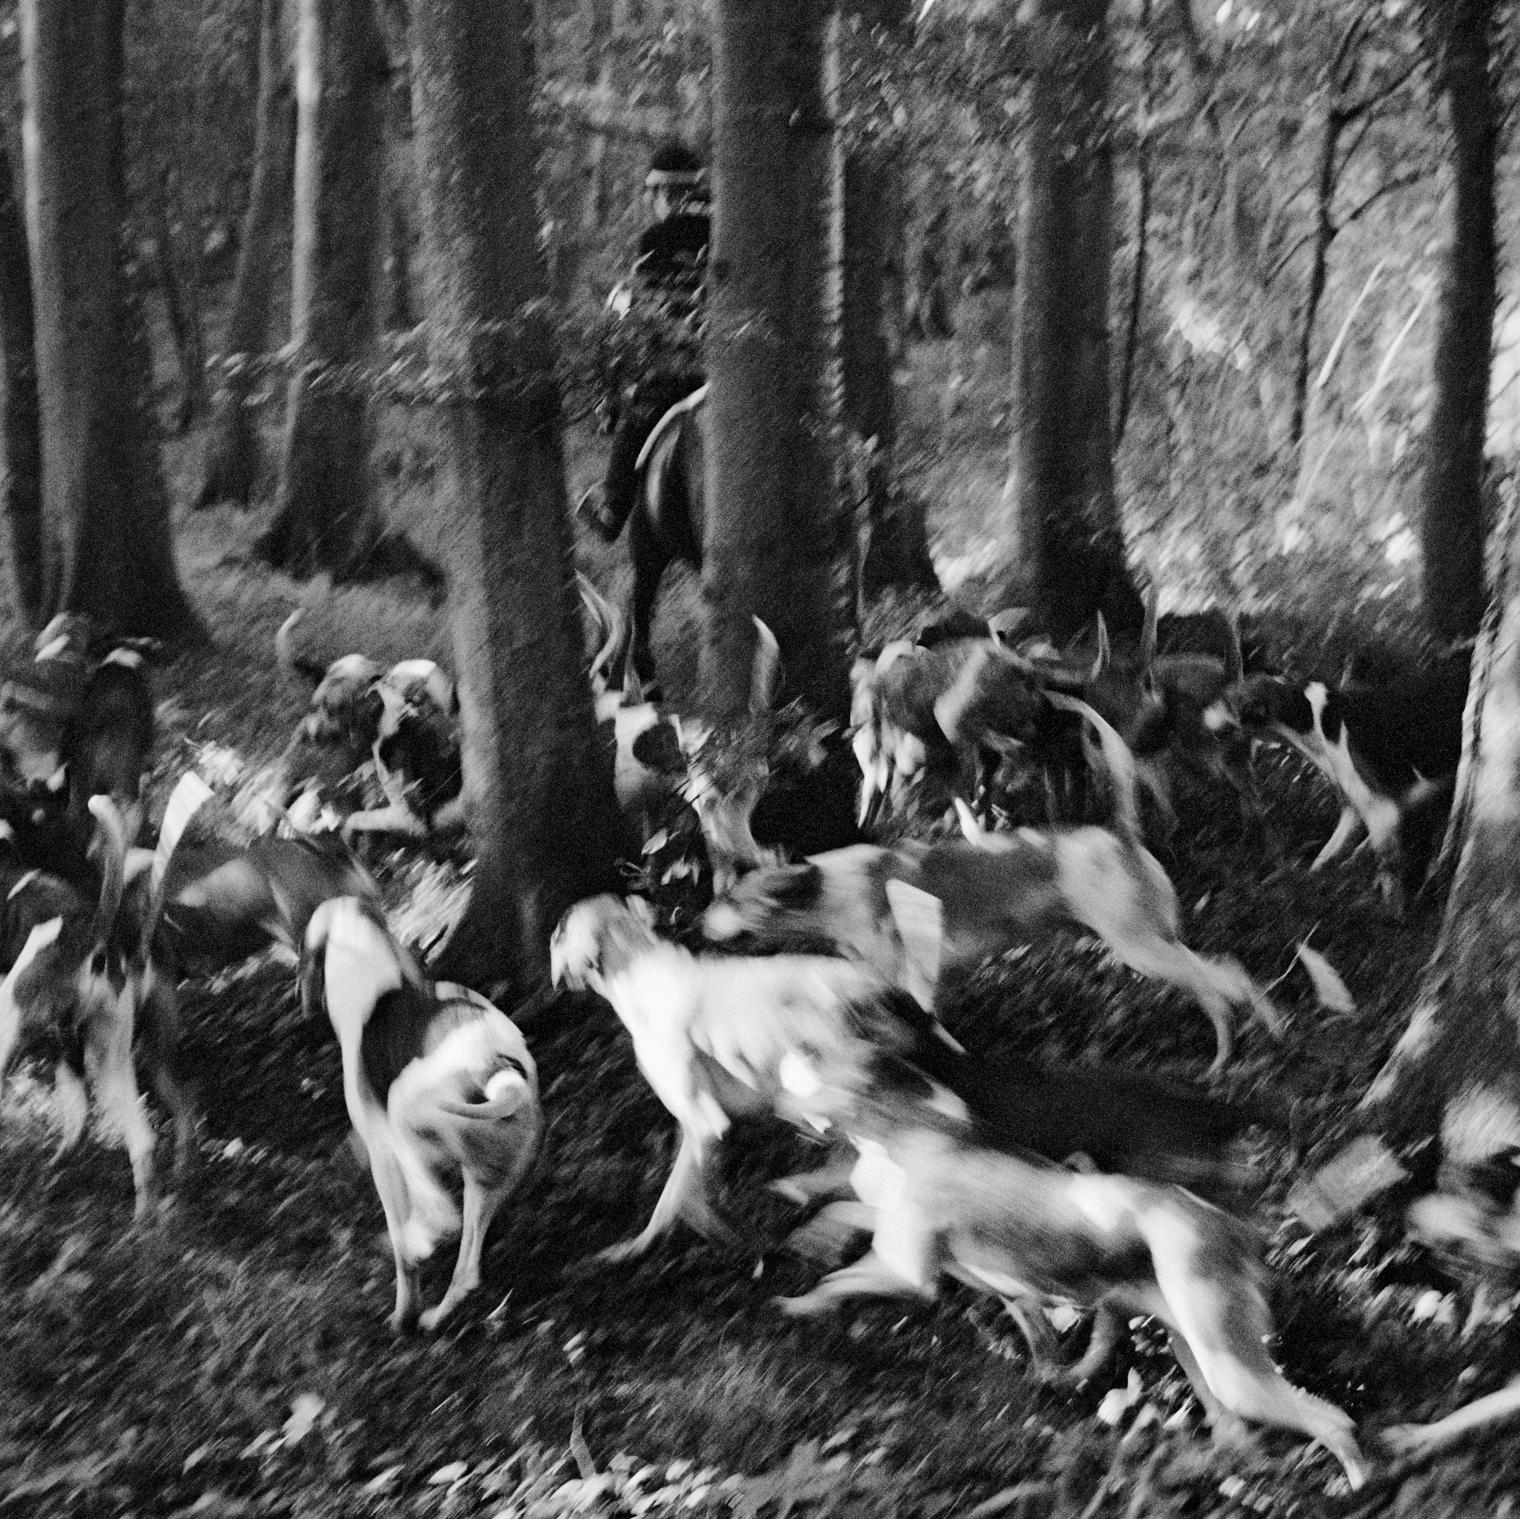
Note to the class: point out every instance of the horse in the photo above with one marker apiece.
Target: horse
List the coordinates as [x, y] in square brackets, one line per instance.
[669, 518]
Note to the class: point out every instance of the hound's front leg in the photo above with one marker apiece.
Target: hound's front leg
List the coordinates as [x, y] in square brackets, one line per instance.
[683, 1196]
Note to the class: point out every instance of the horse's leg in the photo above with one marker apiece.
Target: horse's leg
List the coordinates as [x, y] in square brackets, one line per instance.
[647, 551]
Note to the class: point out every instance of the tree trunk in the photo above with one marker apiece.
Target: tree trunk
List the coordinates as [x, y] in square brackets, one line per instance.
[230, 462]
[20, 435]
[897, 549]
[1067, 539]
[325, 516]
[105, 507]
[1452, 516]
[1456, 1071]
[541, 808]
[772, 540]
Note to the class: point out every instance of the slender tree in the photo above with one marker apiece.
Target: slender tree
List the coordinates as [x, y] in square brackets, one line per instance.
[773, 541]
[873, 324]
[105, 506]
[325, 517]
[1452, 514]
[230, 460]
[1067, 539]
[542, 814]
[20, 435]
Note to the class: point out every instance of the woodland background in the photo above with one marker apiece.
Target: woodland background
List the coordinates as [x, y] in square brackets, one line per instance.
[1283, 224]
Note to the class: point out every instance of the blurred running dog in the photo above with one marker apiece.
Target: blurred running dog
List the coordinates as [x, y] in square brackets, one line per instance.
[712, 1035]
[916, 910]
[945, 1199]
[440, 1088]
[76, 992]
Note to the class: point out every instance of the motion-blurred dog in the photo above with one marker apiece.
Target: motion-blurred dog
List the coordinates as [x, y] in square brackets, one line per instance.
[712, 1035]
[75, 992]
[917, 910]
[440, 1087]
[947, 1201]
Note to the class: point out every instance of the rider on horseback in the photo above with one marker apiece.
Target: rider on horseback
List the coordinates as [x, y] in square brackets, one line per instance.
[667, 274]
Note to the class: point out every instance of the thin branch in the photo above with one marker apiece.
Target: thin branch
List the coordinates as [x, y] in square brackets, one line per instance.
[1389, 187]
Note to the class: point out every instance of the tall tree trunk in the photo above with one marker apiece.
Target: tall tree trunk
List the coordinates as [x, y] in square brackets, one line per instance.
[772, 535]
[1452, 515]
[541, 808]
[1456, 1071]
[106, 509]
[897, 551]
[20, 432]
[1067, 540]
[325, 516]
[230, 461]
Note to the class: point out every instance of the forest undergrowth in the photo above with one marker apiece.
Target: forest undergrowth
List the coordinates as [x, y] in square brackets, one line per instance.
[231, 1359]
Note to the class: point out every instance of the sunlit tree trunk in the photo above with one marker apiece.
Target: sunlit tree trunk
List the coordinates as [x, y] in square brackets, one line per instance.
[1452, 514]
[542, 815]
[105, 506]
[325, 516]
[1067, 545]
[230, 461]
[20, 438]
[773, 540]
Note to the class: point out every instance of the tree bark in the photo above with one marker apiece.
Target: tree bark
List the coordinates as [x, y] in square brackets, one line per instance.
[230, 461]
[897, 550]
[1067, 540]
[325, 516]
[1452, 505]
[542, 814]
[1455, 1074]
[20, 428]
[105, 506]
[773, 541]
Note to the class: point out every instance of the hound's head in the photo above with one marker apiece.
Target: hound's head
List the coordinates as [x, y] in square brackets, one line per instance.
[776, 909]
[1268, 704]
[598, 936]
[420, 682]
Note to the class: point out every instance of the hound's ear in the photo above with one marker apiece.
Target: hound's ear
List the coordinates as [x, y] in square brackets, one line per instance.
[1100, 662]
[918, 916]
[765, 671]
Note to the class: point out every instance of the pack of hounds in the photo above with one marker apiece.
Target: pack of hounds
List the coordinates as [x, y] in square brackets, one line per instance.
[814, 995]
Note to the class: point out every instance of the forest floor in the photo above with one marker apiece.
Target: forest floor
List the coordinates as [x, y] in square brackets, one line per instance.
[231, 1360]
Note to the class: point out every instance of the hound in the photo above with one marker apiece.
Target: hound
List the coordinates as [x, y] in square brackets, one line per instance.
[440, 1087]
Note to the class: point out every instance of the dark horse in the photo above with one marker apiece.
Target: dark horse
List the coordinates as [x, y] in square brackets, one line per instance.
[669, 517]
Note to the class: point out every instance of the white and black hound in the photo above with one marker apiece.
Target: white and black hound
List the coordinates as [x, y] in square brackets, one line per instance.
[945, 1199]
[440, 1088]
[1390, 751]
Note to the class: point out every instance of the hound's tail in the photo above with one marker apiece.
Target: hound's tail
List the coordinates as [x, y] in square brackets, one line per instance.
[1118, 760]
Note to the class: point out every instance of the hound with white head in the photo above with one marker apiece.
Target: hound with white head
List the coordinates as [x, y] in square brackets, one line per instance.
[713, 1035]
